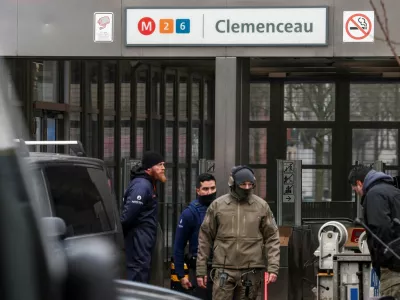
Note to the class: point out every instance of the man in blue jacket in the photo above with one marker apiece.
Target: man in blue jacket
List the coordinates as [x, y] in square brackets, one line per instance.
[188, 230]
[139, 215]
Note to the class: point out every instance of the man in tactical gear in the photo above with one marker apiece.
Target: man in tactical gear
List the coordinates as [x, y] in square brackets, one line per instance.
[188, 230]
[244, 234]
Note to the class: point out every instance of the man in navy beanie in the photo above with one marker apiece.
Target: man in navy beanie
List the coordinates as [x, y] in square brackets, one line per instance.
[139, 215]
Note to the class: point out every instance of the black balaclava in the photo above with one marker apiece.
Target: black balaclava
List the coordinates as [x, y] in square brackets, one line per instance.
[207, 199]
[243, 175]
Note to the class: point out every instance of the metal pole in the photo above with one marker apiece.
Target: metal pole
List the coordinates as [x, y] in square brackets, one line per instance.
[298, 193]
[279, 192]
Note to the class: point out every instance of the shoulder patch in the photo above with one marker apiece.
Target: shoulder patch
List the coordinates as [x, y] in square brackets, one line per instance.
[138, 200]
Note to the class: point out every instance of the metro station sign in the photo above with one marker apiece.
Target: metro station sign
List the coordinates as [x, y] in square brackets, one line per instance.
[283, 26]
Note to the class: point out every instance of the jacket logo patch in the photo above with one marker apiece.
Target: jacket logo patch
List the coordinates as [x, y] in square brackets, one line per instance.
[138, 200]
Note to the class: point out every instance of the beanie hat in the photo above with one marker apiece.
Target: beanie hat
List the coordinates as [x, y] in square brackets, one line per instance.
[244, 175]
[150, 159]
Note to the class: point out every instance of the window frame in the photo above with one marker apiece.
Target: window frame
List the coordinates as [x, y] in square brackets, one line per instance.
[111, 215]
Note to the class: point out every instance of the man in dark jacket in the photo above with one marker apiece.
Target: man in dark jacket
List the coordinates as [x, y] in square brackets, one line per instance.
[381, 202]
[139, 215]
[188, 230]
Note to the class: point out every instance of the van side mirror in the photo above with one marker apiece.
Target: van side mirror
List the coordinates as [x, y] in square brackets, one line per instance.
[54, 227]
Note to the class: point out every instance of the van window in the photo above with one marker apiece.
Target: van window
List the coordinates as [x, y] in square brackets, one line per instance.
[39, 192]
[81, 197]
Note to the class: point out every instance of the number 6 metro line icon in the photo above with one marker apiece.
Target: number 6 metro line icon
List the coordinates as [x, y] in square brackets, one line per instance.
[182, 26]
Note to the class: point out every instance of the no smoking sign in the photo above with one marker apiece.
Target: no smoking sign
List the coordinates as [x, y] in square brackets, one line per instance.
[358, 26]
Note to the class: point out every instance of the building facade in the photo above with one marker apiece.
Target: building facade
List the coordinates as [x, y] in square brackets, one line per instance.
[255, 82]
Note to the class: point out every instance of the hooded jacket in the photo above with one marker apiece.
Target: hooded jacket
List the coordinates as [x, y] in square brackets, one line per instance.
[381, 203]
[244, 235]
[139, 224]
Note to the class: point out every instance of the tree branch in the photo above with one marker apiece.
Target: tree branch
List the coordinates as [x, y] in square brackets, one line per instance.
[384, 40]
[385, 27]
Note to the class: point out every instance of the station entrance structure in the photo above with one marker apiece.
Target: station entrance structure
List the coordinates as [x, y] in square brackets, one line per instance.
[304, 93]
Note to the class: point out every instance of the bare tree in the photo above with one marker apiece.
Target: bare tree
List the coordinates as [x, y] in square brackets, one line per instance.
[312, 102]
[380, 12]
[382, 19]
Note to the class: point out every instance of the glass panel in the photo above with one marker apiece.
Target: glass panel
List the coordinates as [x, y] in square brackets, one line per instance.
[206, 100]
[182, 144]
[261, 186]
[75, 84]
[125, 137]
[94, 80]
[141, 95]
[126, 88]
[312, 145]
[259, 101]
[182, 186]
[169, 221]
[75, 126]
[370, 145]
[258, 145]
[51, 134]
[156, 93]
[38, 132]
[195, 144]
[168, 230]
[375, 102]
[45, 81]
[111, 174]
[85, 185]
[13, 75]
[93, 136]
[139, 142]
[309, 102]
[109, 135]
[193, 192]
[316, 185]
[170, 184]
[109, 85]
[169, 143]
[169, 96]
[195, 100]
[183, 99]
[208, 142]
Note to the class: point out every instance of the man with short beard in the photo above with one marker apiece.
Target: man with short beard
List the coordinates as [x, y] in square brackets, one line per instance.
[187, 230]
[139, 215]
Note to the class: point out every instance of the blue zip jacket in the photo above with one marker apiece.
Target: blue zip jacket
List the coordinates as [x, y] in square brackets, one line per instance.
[188, 230]
[139, 224]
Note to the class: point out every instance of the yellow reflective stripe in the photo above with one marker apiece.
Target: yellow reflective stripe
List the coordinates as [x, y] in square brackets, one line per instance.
[175, 277]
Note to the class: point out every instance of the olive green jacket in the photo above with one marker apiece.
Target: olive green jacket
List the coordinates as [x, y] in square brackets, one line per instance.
[244, 235]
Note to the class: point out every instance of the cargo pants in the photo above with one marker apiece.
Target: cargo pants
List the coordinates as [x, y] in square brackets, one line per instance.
[390, 283]
[234, 286]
